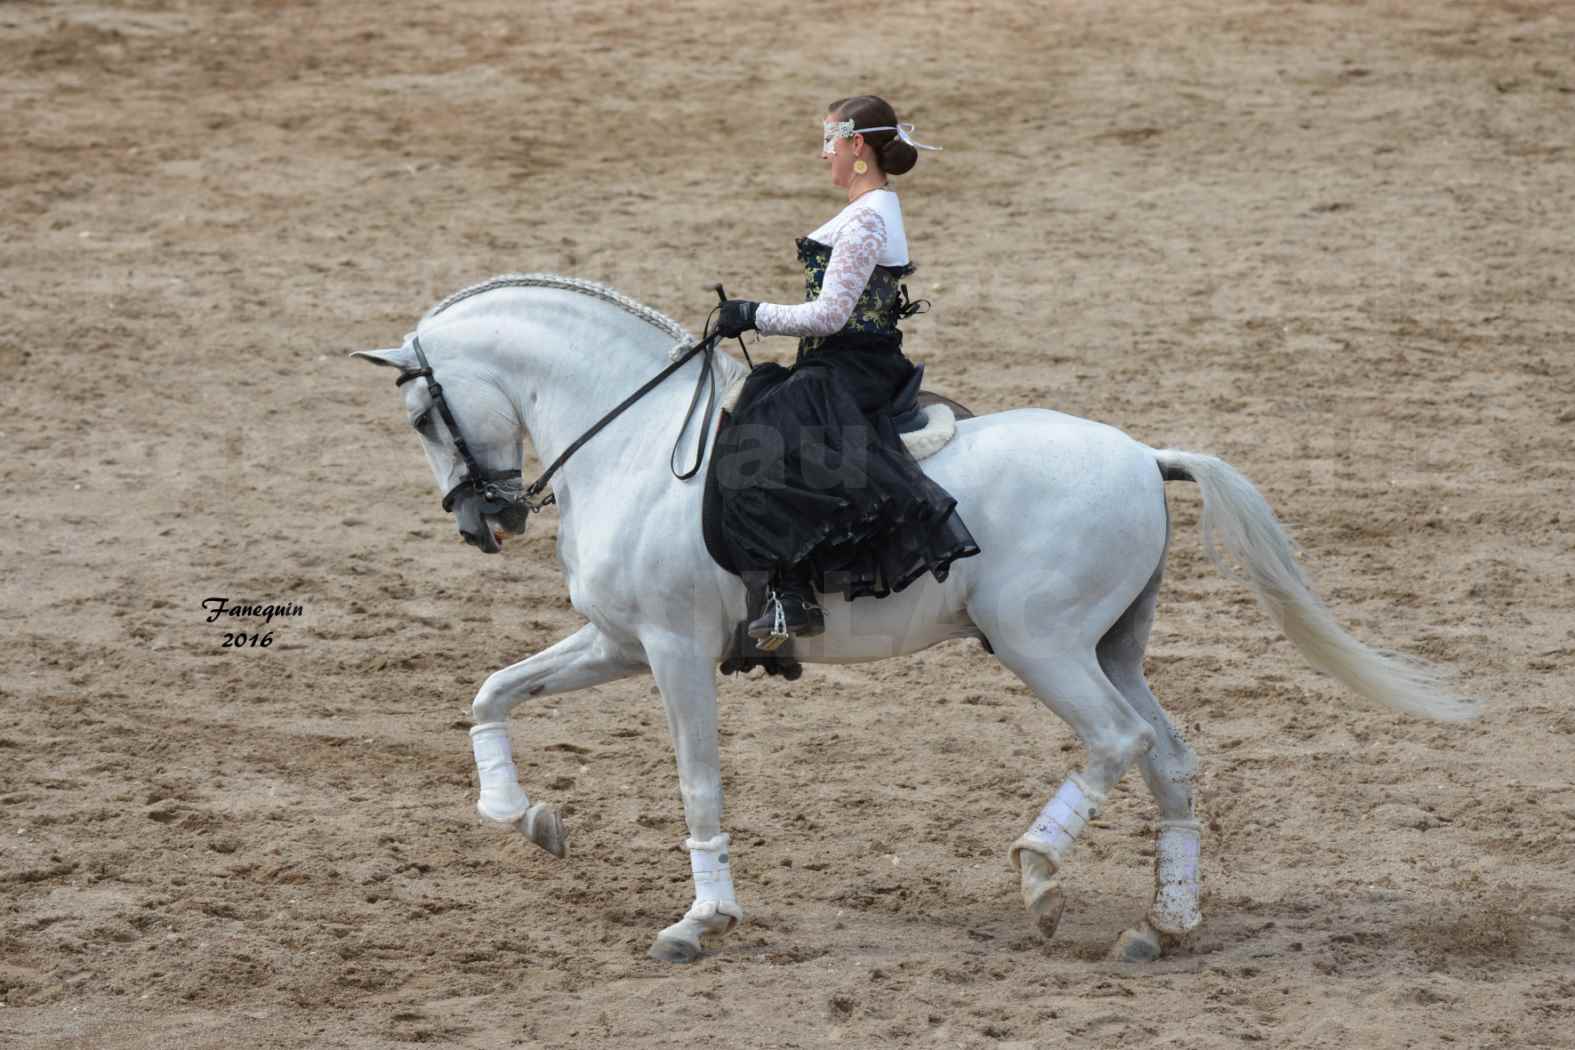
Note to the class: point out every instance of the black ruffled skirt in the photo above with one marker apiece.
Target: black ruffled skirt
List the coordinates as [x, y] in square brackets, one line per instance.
[813, 475]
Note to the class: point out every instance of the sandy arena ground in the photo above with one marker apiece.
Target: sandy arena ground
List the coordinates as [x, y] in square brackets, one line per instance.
[1330, 242]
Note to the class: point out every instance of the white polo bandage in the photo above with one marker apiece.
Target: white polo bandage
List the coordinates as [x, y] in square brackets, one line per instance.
[502, 799]
[1054, 832]
[1176, 854]
[709, 860]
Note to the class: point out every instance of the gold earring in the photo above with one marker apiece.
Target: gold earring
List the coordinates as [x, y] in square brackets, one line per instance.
[859, 167]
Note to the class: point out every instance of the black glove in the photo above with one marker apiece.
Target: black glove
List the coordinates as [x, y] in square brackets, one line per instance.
[738, 317]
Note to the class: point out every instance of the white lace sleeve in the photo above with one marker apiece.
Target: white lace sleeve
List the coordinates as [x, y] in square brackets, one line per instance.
[853, 256]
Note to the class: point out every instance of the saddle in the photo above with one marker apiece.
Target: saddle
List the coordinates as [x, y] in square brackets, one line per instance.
[925, 420]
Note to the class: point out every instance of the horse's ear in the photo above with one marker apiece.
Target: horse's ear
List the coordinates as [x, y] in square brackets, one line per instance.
[396, 357]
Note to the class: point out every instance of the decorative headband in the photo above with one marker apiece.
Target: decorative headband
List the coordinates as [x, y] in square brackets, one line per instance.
[844, 129]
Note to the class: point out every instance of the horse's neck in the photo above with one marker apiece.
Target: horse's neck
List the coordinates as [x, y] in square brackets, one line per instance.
[569, 364]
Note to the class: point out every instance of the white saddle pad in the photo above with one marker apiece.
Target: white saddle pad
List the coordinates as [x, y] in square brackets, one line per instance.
[940, 424]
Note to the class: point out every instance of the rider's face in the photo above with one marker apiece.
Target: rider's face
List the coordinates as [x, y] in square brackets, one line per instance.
[839, 153]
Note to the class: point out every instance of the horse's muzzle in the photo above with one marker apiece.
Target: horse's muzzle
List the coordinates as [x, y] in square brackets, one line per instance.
[476, 514]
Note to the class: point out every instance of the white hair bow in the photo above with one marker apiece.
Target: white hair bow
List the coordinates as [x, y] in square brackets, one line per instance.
[904, 132]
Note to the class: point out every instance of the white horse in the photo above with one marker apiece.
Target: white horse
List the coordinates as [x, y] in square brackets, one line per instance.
[1070, 516]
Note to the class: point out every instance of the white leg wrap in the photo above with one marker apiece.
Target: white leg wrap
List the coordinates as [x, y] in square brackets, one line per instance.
[502, 799]
[1176, 852]
[714, 910]
[1055, 830]
[713, 871]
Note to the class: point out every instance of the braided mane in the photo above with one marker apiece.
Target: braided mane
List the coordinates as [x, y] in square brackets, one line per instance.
[570, 284]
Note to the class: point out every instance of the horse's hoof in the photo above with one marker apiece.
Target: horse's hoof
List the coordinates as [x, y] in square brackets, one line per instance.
[1042, 894]
[1046, 911]
[684, 941]
[542, 825]
[1140, 944]
[674, 951]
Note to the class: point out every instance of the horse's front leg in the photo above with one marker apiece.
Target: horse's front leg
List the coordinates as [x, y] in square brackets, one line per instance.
[587, 657]
[686, 675]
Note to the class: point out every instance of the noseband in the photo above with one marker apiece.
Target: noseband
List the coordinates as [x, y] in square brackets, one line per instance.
[507, 499]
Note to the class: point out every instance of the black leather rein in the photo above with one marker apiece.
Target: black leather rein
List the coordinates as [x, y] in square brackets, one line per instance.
[485, 483]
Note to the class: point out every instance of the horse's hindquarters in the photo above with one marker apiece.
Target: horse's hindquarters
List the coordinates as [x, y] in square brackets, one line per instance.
[1070, 519]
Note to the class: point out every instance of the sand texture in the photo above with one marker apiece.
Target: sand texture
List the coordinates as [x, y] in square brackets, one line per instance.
[1329, 242]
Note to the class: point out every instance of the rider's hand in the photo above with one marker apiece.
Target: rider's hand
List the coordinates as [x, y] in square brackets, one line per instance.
[738, 317]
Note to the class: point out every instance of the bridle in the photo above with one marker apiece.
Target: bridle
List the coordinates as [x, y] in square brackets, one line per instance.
[493, 488]
[483, 483]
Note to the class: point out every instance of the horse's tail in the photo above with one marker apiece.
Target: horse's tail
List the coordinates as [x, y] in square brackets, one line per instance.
[1237, 518]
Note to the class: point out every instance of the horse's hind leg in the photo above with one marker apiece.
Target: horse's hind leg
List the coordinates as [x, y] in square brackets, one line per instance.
[1073, 686]
[1168, 768]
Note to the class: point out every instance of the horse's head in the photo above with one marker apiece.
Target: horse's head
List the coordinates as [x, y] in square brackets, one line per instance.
[473, 447]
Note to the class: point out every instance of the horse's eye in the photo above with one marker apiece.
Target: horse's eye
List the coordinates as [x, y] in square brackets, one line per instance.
[422, 420]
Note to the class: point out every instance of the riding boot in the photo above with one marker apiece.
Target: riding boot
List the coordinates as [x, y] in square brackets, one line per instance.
[790, 610]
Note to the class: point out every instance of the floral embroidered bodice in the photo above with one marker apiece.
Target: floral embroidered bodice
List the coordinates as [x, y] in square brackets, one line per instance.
[851, 283]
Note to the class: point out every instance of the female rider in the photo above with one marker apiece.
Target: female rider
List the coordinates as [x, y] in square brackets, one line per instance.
[818, 492]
